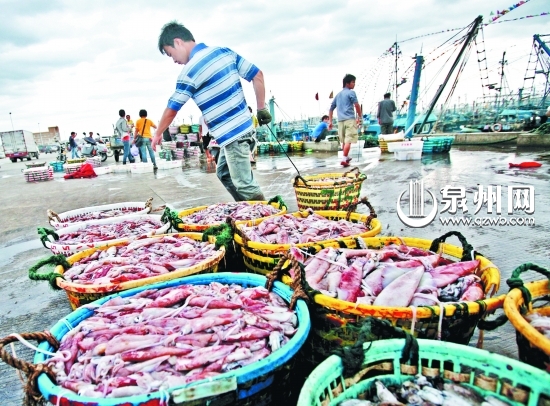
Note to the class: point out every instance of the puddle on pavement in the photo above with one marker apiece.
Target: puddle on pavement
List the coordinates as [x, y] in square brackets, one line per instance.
[8, 253]
[184, 181]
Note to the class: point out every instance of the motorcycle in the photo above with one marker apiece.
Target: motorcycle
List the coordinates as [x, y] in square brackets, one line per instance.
[93, 148]
[61, 154]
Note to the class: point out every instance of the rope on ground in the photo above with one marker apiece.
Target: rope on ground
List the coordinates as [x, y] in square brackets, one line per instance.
[44, 233]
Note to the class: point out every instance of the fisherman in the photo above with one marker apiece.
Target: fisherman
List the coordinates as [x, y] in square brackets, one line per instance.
[211, 77]
[385, 114]
[348, 124]
[321, 130]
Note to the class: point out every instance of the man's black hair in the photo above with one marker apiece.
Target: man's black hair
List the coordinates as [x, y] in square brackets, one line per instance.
[143, 113]
[323, 118]
[121, 113]
[348, 79]
[170, 32]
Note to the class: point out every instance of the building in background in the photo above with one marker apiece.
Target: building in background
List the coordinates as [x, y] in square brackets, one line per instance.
[49, 137]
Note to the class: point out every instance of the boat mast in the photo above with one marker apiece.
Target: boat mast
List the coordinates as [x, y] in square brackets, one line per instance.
[471, 35]
[396, 85]
[411, 115]
[502, 63]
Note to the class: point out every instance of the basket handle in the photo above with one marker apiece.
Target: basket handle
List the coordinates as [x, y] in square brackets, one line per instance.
[52, 215]
[373, 329]
[300, 178]
[468, 252]
[364, 200]
[278, 199]
[32, 371]
[172, 217]
[299, 284]
[516, 282]
[223, 234]
[44, 234]
[51, 276]
[354, 169]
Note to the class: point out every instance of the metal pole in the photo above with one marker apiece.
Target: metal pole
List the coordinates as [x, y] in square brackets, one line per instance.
[411, 115]
[272, 112]
[13, 129]
[471, 36]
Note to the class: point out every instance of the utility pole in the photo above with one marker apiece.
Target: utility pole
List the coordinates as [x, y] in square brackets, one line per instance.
[13, 129]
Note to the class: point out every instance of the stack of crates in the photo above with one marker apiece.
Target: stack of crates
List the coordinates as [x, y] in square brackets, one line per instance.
[57, 166]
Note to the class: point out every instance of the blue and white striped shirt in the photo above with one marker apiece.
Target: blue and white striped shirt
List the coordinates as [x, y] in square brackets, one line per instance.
[212, 79]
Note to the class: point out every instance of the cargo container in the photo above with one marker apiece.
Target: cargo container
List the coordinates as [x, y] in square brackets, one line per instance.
[19, 144]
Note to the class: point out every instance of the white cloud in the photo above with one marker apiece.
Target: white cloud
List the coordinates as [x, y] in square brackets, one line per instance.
[75, 63]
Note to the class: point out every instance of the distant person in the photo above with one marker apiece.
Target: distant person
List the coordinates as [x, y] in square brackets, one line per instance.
[130, 122]
[143, 127]
[320, 132]
[385, 114]
[166, 136]
[73, 145]
[204, 136]
[348, 121]
[123, 130]
[211, 77]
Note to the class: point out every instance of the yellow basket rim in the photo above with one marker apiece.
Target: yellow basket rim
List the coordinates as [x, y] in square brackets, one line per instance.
[202, 227]
[486, 268]
[512, 303]
[116, 287]
[375, 229]
[299, 184]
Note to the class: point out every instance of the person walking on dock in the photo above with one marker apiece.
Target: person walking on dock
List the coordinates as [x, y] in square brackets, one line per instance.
[74, 146]
[211, 77]
[385, 114]
[348, 122]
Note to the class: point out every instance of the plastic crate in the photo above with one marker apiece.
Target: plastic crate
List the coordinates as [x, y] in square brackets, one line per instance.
[164, 164]
[57, 166]
[94, 161]
[72, 167]
[407, 155]
[413, 145]
[38, 174]
[486, 372]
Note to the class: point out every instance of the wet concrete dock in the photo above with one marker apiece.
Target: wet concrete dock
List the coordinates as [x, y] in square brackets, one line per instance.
[28, 306]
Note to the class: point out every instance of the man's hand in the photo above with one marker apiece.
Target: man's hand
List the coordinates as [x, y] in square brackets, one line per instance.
[155, 141]
[263, 116]
[330, 126]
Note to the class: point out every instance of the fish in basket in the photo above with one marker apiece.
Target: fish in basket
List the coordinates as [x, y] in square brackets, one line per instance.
[206, 339]
[329, 191]
[432, 289]
[99, 233]
[401, 371]
[96, 272]
[68, 218]
[203, 217]
[528, 309]
[264, 242]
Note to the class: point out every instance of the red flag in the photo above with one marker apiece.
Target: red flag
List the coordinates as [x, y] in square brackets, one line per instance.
[331, 95]
[316, 96]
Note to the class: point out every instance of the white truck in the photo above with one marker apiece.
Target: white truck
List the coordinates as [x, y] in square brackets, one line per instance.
[19, 144]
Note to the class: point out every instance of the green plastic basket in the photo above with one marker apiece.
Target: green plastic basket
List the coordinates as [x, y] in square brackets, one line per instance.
[490, 374]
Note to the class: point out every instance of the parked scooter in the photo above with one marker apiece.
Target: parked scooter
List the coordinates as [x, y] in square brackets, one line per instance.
[92, 148]
[61, 153]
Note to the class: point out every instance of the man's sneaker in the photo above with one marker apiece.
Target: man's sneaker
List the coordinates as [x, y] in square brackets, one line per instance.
[345, 164]
[348, 159]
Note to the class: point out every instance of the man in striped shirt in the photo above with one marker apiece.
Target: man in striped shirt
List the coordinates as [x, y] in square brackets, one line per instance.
[211, 77]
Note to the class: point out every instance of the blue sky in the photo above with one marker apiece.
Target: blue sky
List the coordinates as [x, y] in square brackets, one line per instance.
[74, 64]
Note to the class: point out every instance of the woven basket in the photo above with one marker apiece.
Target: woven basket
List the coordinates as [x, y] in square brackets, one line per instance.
[79, 294]
[262, 258]
[50, 239]
[313, 193]
[336, 323]
[67, 218]
[487, 373]
[201, 227]
[533, 346]
[263, 382]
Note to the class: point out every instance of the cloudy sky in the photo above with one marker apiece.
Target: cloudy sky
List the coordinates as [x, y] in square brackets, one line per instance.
[75, 63]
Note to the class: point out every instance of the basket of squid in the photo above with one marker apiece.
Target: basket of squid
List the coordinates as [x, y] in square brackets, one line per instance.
[96, 272]
[431, 289]
[264, 242]
[201, 218]
[69, 218]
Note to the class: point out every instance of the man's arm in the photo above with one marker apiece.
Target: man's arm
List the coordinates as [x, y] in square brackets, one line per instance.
[259, 89]
[167, 117]
[358, 110]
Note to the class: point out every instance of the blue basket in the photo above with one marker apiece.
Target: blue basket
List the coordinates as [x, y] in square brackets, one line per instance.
[250, 385]
[57, 166]
[437, 144]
